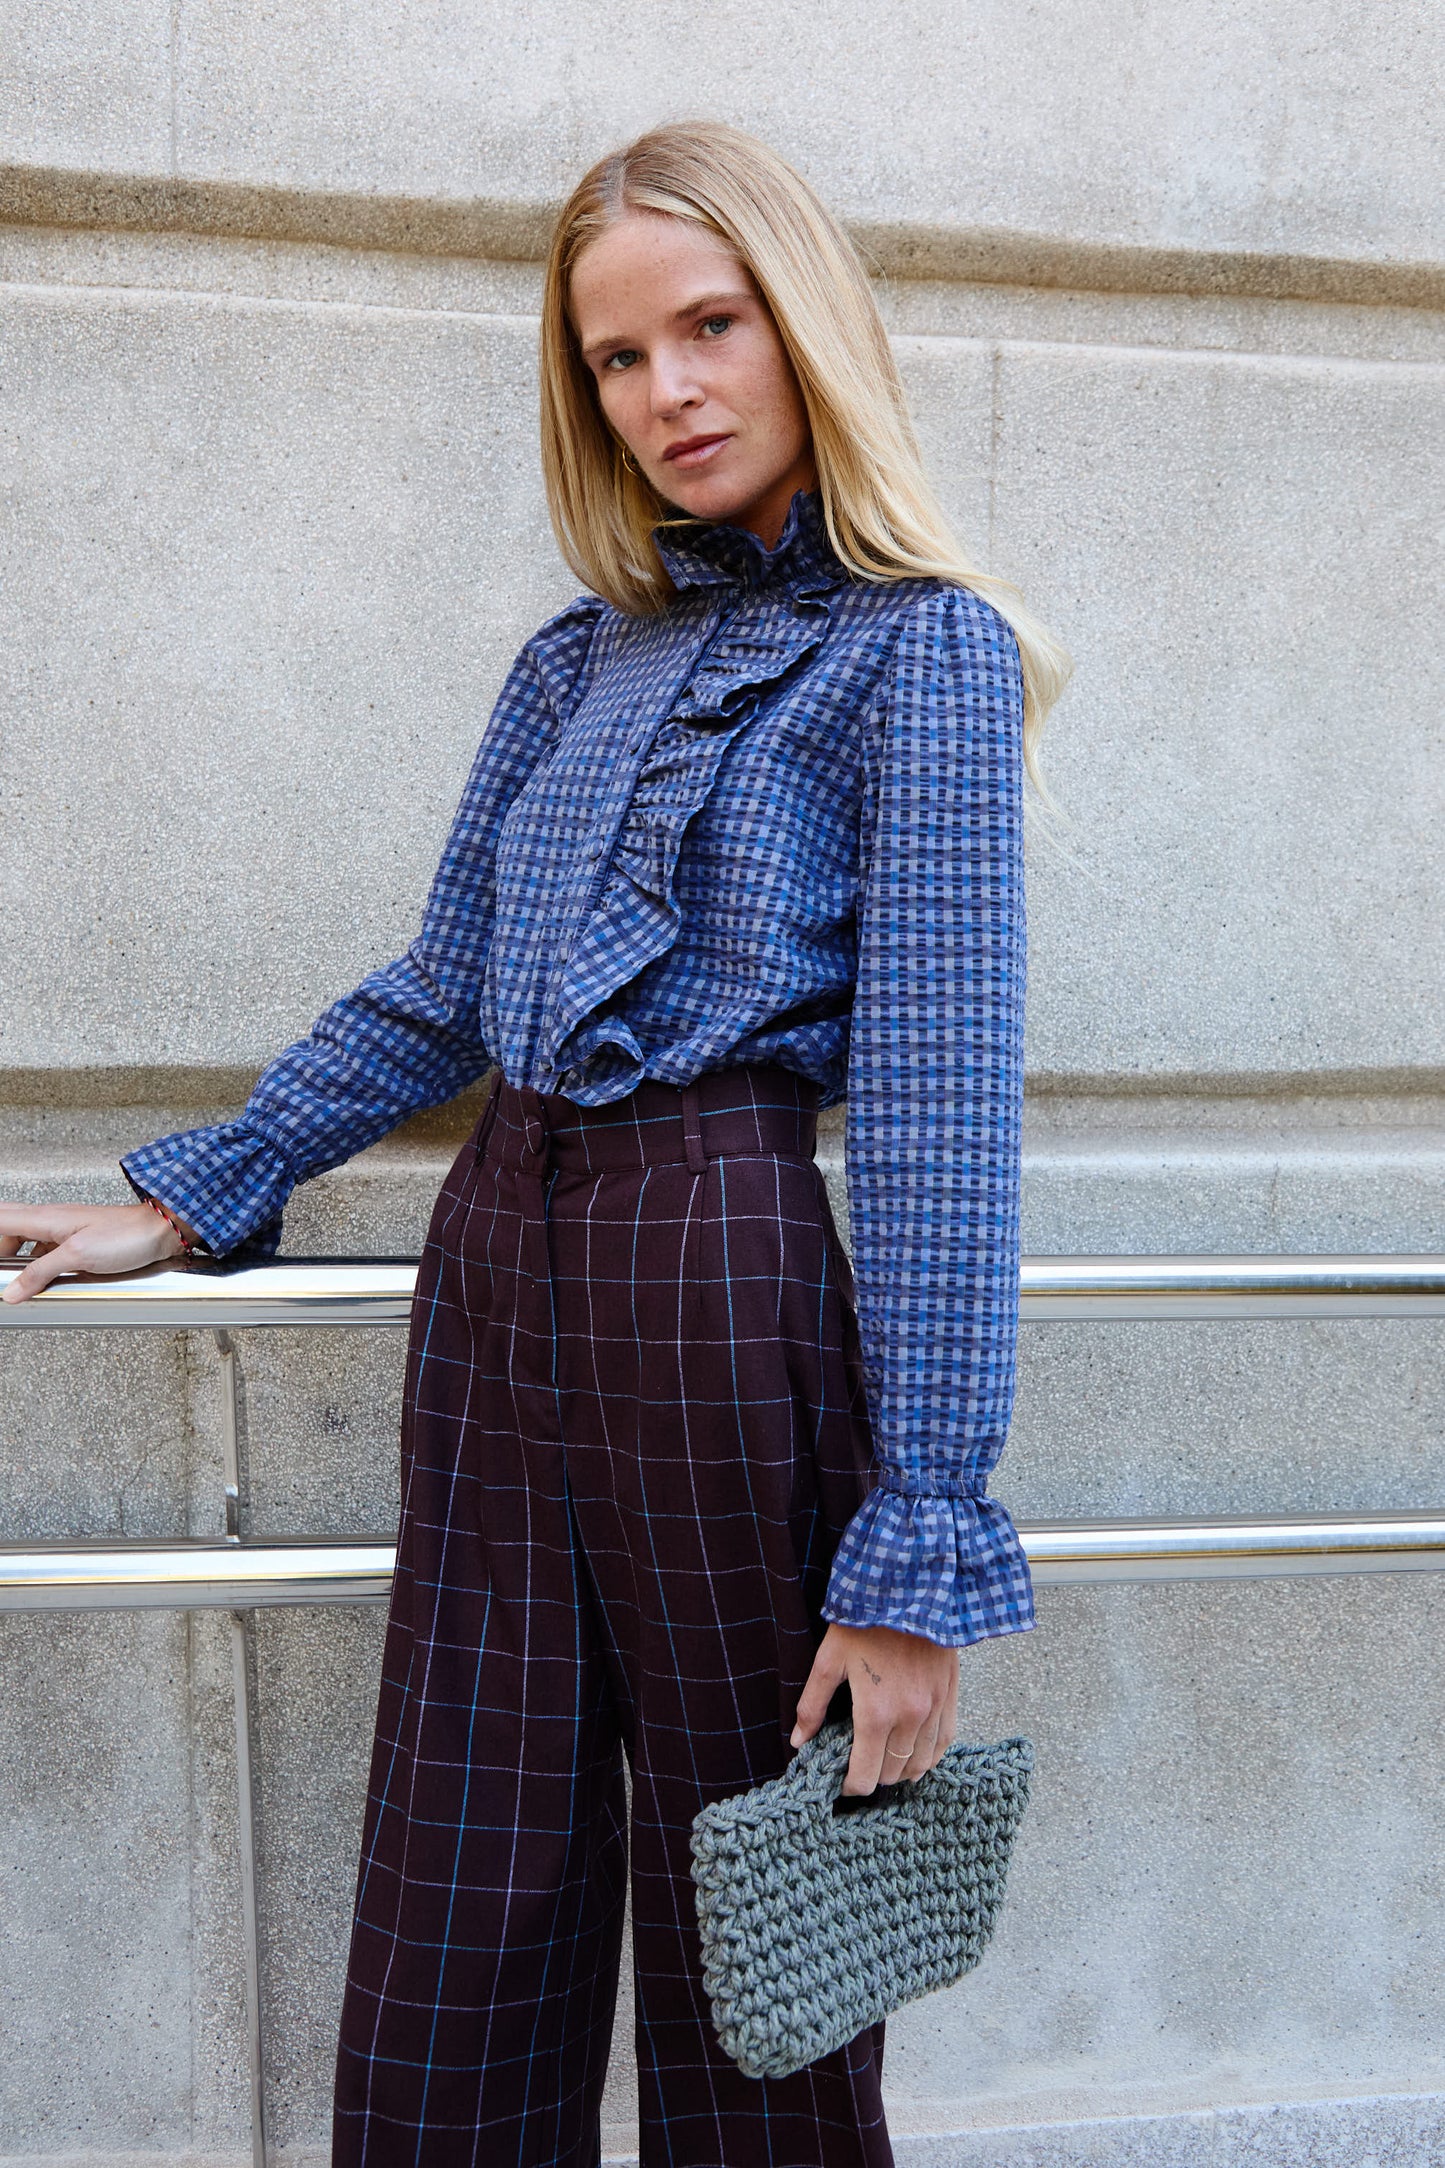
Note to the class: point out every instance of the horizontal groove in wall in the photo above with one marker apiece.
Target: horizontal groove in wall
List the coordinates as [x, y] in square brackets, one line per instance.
[1238, 1084]
[58, 196]
[181, 1086]
[512, 232]
[999, 257]
[125, 1087]
[185, 1091]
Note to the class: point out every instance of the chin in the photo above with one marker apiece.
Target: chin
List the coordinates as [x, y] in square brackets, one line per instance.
[703, 497]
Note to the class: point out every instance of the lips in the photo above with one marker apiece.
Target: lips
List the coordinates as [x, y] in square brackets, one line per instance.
[694, 451]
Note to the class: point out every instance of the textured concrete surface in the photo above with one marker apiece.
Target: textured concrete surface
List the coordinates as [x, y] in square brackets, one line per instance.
[1254, 875]
[93, 1435]
[119, 1991]
[967, 307]
[1030, 122]
[279, 653]
[1389, 2131]
[1239, 552]
[316, 1679]
[87, 83]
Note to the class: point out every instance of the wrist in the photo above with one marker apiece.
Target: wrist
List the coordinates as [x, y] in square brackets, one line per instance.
[183, 1240]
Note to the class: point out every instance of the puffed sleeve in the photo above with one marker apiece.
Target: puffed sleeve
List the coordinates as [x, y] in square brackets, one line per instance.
[409, 1035]
[932, 1131]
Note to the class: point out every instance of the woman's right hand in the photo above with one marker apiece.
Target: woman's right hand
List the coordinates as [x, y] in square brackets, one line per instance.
[81, 1238]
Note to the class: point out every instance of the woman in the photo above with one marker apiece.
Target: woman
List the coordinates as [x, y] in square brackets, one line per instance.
[743, 836]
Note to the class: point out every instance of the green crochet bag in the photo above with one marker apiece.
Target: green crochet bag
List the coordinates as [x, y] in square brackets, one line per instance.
[819, 1918]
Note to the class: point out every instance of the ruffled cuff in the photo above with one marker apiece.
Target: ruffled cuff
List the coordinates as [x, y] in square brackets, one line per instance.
[228, 1183]
[949, 1567]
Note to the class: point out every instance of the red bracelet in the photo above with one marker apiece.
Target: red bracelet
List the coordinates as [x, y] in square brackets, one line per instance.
[188, 1247]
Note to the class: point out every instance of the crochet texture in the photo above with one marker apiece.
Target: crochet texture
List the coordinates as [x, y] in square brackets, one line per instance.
[815, 1923]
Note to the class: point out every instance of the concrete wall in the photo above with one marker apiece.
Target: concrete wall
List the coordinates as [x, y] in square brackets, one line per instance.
[1168, 289]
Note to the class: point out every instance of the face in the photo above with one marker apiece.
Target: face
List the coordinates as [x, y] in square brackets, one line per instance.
[691, 373]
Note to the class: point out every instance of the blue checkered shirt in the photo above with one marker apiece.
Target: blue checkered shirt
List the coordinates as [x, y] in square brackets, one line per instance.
[779, 821]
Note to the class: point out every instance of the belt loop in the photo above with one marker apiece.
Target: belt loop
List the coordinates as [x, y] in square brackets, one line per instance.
[692, 1128]
[535, 1127]
[487, 1120]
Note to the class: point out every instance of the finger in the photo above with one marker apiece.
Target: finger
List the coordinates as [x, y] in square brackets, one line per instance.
[35, 1222]
[14, 1216]
[924, 1754]
[40, 1271]
[867, 1765]
[821, 1685]
[898, 1764]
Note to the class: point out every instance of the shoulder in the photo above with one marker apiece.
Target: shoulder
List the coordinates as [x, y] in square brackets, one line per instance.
[952, 651]
[955, 628]
[926, 628]
[954, 686]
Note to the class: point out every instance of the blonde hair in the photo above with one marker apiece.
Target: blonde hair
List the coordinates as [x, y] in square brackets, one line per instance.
[882, 516]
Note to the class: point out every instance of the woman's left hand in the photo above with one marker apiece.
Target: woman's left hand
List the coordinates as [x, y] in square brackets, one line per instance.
[905, 1701]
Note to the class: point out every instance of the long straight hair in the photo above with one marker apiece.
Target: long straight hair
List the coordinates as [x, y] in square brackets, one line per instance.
[882, 515]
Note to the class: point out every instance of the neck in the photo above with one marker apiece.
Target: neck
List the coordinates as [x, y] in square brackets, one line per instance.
[767, 515]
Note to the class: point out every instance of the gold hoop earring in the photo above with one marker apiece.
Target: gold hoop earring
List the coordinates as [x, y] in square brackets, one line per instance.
[629, 462]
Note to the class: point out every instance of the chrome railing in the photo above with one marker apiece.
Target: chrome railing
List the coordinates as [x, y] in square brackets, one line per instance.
[328, 1291]
[241, 1574]
[200, 1573]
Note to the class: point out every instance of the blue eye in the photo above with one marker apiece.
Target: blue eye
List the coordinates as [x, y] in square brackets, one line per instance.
[709, 322]
[625, 356]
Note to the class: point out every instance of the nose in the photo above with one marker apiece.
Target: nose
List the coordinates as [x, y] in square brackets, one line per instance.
[672, 387]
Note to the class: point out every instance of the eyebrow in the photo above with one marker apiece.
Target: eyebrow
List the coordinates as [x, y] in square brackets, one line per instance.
[704, 305]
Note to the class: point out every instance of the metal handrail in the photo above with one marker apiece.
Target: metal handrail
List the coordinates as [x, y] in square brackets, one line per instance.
[378, 1291]
[299, 1291]
[194, 1573]
[200, 1573]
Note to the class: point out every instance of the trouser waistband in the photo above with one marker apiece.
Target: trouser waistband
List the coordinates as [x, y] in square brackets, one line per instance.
[749, 1107]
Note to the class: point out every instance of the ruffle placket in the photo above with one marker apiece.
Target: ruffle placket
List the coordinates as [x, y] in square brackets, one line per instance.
[635, 918]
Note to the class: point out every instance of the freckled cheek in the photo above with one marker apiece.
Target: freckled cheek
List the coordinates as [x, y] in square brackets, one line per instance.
[754, 393]
[773, 395]
[772, 416]
[622, 407]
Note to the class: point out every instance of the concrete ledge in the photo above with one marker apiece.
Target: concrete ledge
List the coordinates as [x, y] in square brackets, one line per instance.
[1000, 257]
[517, 232]
[1385, 2130]
[57, 196]
[1390, 2130]
[1244, 1100]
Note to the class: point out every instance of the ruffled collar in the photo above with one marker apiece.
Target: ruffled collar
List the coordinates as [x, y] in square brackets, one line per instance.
[711, 553]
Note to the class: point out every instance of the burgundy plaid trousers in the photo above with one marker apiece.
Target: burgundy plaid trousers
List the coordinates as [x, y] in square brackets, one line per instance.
[633, 1431]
